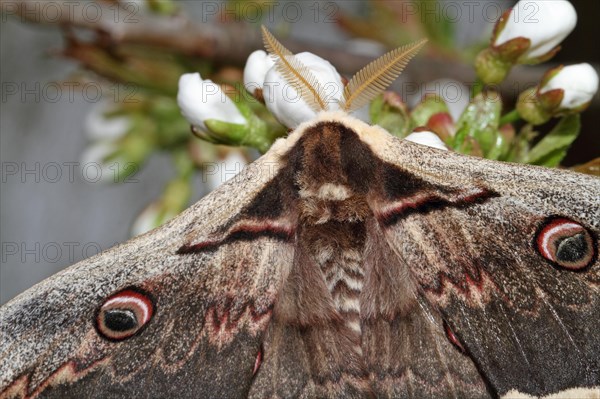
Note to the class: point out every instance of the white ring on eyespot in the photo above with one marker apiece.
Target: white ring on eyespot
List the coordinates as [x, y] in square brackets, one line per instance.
[550, 233]
[128, 299]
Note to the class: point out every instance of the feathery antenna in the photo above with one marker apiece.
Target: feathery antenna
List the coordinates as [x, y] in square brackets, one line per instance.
[295, 72]
[378, 75]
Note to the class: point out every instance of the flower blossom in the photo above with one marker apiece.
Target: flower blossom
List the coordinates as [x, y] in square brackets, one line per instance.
[284, 102]
[427, 138]
[201, 100]
[544, 23]
[257, 66]
[578, 83]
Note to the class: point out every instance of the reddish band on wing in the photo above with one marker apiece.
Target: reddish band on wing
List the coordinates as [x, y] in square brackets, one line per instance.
[247, 231]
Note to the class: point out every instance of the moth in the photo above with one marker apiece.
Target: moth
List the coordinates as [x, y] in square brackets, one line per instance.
[344, 263]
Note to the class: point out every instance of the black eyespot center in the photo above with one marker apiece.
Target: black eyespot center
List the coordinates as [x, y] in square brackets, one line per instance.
[120, 320]
[572, 249]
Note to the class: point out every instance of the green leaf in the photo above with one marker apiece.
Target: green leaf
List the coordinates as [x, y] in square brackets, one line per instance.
[520, 145]
[440, 27]
[554, 146]
[163, 7]
[480, 121]
[499, 149]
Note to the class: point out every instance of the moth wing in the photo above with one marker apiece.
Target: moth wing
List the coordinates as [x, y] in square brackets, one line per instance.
[404, 341]
[477, 237]
[210, 277]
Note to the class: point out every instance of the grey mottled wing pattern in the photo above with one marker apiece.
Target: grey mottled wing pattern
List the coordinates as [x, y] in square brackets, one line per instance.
[212, 298]
[344, 263]
[528, 325]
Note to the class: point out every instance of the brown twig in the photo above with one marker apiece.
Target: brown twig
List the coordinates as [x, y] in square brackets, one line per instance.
[231, 43]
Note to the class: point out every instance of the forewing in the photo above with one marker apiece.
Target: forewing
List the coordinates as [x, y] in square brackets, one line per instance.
[479, 237]
[211, 276]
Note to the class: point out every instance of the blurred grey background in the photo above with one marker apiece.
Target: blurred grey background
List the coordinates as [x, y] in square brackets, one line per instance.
[51, 215]
[48, 222]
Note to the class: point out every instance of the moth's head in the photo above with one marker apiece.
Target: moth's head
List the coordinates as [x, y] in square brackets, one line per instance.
[313, 88]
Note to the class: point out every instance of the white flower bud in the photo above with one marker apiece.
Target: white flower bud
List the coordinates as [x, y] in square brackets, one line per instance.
[150, 218]
[94, 162]
[200, 100]
[579, 83]
[98, 127]
[545, 23]
[285, 103]
[229, 167]
[427, 138]
[256, 69]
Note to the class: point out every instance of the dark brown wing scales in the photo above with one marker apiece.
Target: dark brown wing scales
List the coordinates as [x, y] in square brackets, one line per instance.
[521, 313]
[406, 351]
[350, 320]
[515, 276]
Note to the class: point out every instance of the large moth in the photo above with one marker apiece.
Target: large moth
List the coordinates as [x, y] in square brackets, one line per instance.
[344, 263]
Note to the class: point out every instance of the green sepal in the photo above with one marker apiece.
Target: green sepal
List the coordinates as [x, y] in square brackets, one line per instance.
[512, 50]
[442, 125]
[388, 111]
[575, 110]
[499, 26]
[551, 99]
[542, 58]
[429, 106]
[549, 74]
[225, 133]
[490, 67]
[530, 108]
[256, 132]
[263, 128]
[479, 121]
[553, 147]
[465, 144]
[495, 62]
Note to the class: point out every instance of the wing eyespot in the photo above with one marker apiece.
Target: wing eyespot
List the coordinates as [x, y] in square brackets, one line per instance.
[124, 314]
[566, 244]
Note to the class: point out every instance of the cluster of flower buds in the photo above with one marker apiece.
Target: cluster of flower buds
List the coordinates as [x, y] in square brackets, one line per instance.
[520, 37]
[115, 147]
[217, 118]
[529, 33]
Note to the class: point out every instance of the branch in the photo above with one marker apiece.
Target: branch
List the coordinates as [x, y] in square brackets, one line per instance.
[232, 42]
